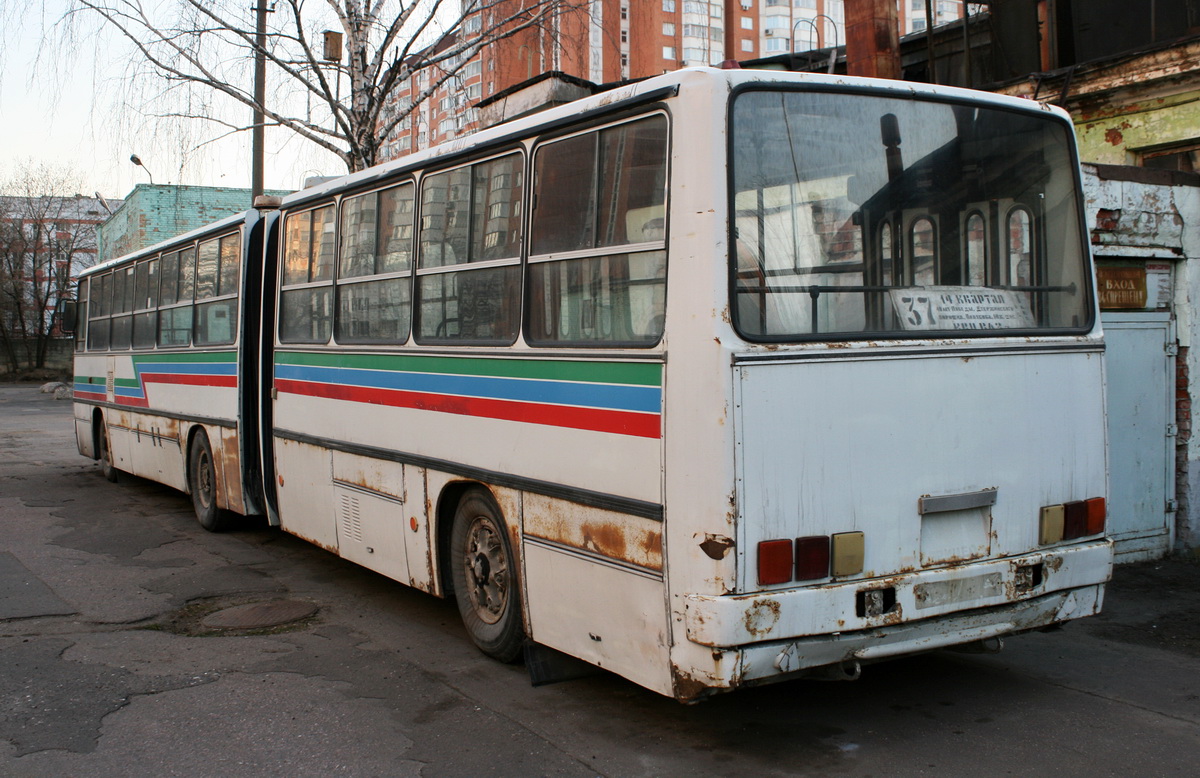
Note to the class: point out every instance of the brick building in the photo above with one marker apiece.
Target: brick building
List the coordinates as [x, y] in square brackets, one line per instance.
[44, 242]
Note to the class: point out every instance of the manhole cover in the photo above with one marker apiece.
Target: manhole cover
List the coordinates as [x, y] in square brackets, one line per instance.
[258, 615]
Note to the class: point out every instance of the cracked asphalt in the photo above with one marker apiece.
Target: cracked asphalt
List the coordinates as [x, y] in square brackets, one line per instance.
[105, 672]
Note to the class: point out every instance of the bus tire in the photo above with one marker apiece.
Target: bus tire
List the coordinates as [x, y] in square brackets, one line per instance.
[104, 452]
[485, 580]
[202, 481]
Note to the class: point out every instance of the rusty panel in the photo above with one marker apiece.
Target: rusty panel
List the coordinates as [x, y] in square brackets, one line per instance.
[376, 475]
[872, 39]
[231, 469]
[630, 539]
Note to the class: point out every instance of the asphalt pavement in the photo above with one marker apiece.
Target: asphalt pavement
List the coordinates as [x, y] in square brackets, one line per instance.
[134, 643]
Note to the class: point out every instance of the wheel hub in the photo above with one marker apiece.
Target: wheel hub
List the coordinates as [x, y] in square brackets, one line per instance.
[488, 571]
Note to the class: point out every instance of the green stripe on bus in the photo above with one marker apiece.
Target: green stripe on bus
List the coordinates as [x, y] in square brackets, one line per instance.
[629, 373]
[197, 356]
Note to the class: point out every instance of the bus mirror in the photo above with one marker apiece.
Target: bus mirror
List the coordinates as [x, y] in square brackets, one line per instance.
[66, 314]
[267, 202]
[889, 130]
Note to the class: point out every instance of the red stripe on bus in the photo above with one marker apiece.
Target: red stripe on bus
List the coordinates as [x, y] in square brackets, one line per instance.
[189, 379]
[90, 395]
[644, 425]
[135, 402]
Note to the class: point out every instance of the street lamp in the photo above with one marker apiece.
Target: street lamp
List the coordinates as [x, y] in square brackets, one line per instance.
[135, 159]
[812, 23]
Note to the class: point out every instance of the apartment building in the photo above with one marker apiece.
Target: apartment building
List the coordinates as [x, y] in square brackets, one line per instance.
[605, 41]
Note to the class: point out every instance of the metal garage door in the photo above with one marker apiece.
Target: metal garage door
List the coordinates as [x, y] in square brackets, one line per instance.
[1141, 433]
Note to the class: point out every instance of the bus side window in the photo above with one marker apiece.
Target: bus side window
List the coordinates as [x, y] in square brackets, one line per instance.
[603, 193]
[1020, 247]
[922, 250]
[306, 301]
[218, 268]
[145, 317]
[81, 325]
[975, 239]
[175, 298]
[374, 288]
[469, 215]
[122, 320]
[98, 323]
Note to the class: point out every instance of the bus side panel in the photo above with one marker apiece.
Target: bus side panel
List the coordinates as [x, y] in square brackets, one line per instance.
[303, 472]
[88, 388]
[370, 503]
[155, 451]
[556, 422]
[225, 444]
[612, 617]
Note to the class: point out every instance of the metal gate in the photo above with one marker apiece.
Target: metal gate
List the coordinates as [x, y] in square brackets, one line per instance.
[1141, 433]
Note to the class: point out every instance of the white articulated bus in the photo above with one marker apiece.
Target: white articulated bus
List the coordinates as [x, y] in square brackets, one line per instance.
[717, 379]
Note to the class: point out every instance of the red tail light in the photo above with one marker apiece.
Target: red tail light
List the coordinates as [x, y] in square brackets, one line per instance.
[1074, 519]
[774, 562]
[812, 557]
[1096, 514]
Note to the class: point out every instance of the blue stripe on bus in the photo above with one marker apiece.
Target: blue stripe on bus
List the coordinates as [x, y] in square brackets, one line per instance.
[189, 368]
[589, 395]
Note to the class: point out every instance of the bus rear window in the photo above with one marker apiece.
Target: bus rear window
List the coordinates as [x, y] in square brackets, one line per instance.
[857, 216]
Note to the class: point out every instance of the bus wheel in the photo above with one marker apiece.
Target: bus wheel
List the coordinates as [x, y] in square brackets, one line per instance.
[202, 480]
[485, 581]
[105, 452]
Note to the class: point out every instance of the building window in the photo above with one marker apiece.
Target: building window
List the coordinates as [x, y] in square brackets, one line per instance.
[1181, 157]
[747, 22]
[669, 29]
[668, 52]
[747, 45]
[669, 6]
[776, 45]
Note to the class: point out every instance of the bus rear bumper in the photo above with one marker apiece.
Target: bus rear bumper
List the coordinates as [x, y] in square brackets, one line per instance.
[846, 649]
[783, 631]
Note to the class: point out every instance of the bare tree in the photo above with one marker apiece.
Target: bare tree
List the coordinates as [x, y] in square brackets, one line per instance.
[210, 45]
[46, 237]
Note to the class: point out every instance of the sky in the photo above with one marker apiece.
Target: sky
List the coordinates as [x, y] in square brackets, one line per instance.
[78, 112]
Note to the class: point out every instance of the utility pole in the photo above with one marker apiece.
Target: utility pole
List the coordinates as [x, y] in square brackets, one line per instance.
[258, 132]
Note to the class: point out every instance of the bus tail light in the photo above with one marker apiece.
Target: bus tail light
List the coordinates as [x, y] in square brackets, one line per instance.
[847, 553]
[774, 561]
[1050, 529]
[1071, 520]
[1074, 519]
[812, 558]
[1097, 513]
